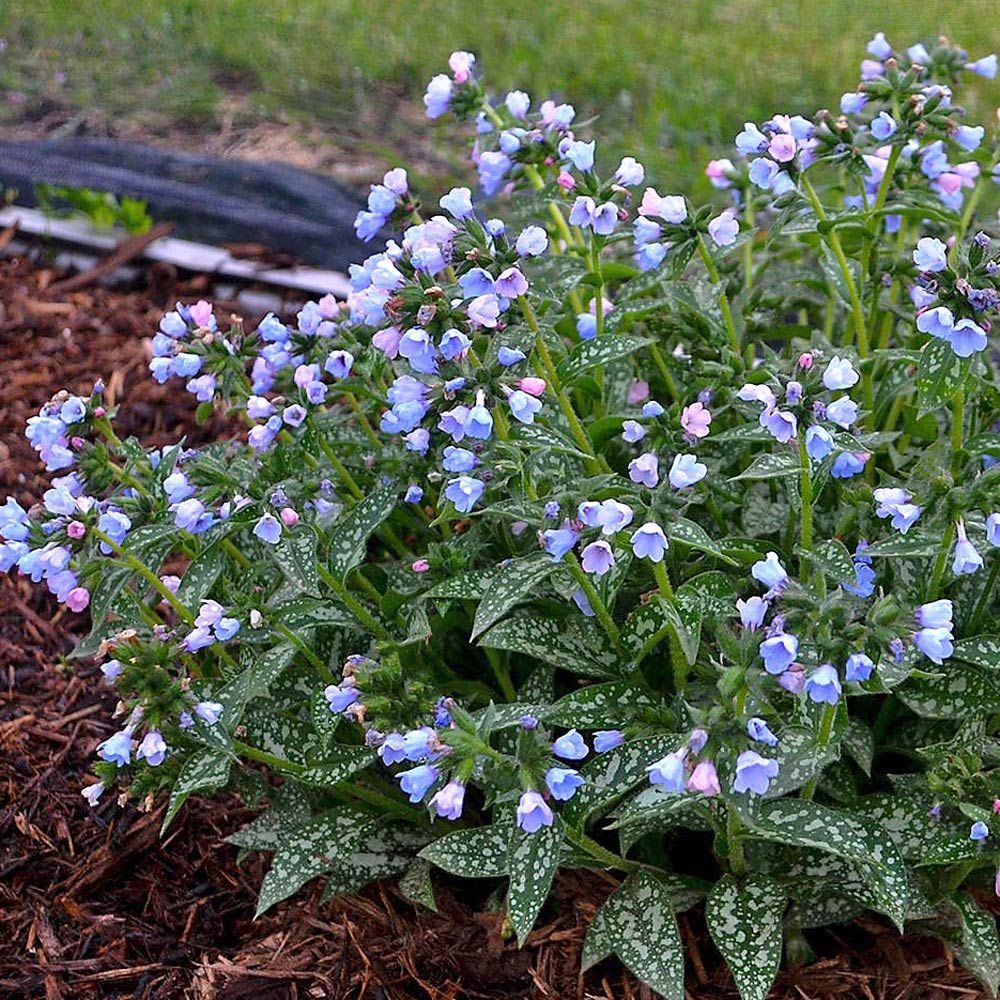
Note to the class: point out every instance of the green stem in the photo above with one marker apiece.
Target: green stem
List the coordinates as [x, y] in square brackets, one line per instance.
[148, 575]
[661, 363]
[826, 722]
[939, 564]
[663, 581]
[805, 488]
[596, 602]
[957, 425]
[857, 310]
[727, 313]
[985, 596]
[363, 615]
[967, 213]
[606, 858]
[501, 674]
[303, 647]
[737, 859]
[748, 246]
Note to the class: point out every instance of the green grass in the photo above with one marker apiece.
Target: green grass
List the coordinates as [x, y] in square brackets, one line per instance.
[669, 80]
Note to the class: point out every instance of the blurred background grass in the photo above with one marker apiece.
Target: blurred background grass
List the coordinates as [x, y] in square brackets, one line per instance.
[671, 81]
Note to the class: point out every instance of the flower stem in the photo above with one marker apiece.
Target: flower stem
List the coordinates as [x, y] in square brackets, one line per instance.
[939, 564]
[737, 859]
[598, 853]
[596, 602]
[805, 488]
[826, 722]
[363, 615]
[727, 313]
[663, 581]
[985, 596]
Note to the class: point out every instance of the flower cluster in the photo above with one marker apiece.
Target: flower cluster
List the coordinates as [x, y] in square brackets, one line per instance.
[589, 516]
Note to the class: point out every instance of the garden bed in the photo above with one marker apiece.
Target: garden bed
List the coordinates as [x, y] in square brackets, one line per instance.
[93, 904]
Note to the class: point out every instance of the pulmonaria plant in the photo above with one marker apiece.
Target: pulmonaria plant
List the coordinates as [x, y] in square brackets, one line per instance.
[633, 535]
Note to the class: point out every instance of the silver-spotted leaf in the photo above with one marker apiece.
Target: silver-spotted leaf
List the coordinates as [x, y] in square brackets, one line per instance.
[532, 859]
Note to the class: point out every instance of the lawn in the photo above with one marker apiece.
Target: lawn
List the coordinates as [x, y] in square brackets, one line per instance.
[673, 81]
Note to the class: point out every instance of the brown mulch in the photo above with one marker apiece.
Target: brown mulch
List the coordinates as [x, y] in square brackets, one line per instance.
[93, 904]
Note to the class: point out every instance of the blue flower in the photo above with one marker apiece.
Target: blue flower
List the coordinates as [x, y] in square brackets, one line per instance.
[437, 97]
[883, 126]
[562, 782]
[479, 422]
[532, 242]
[859, 668]
[752, 612]
[879, 47]
[570, 746]
[416, 782]
[763, 172]
[523, 406]
[751, 140]
[652, 409]
[633, 431]
[508, 356]
[780, 424]
[819, 442]
[464, 492]
[967, 337]
[581, 154]
[931, 254]
[757, 729]
[848, 464]
[458, 201]
[724, 229]
[979, 831]
[607, 739]
[685, 471]
[533, 813]
[649, 542]
[852, 103]
[268, 529]
[391, 749]
[117, 748]
[970, 136]
[644, 470]
[559, 541]
[840, 374]
[458, 459]
[339, 363]
[842, 411]
[967, 559]
[895, 504]
[823, 685]
[668, 773]
[414, 494]
[477, 282]
[597, 558]
[770, 572]
[937, 322]
[630, 172]
[152, 749]
[417, 347]
[985, 67]
[754, 773]
[937, 614]
[935, 643]
[778, 652]
[448, 801]
[340, 697]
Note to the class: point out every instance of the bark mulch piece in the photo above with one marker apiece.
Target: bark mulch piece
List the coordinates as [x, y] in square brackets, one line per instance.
[94, 904]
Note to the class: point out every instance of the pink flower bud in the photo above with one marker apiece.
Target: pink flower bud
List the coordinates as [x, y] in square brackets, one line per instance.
[99, 411]
[289, 517]
[76, 529]
[566, 181]
[805, 361]
[421, 566]
[638, 392]
[704, 779]
[532, 386]
[996, 806]
[77, 599]
[77, 442]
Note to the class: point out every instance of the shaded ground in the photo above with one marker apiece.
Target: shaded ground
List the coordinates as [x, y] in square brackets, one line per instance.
[93, 905]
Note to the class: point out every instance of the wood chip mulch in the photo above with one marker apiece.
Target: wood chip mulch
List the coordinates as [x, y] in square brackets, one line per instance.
[92, 902]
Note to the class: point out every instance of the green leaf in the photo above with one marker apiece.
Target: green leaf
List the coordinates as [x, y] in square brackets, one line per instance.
[477, 853]
[800, 760]
[610, 775]
[515, 582]
[539, 437]
[597, 945]
[337, 767]
[200, 576]
[639, 921]
[768, 466]
[745, 921]
[532, 859]
[416, 886]
[836, 561]
[312, 849]
[806, 824]
[980, 650]
[961, 692]
[598, 706]
[940, 373]
[295, 555]
[694, 536]
[912, 546]
[310, 612]
[979, 950]
[594, 353]
[471, 586]
[204, 771]
[653, 811]
[922, 840]
[650, 624]
[578, 646]
[349, 537]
